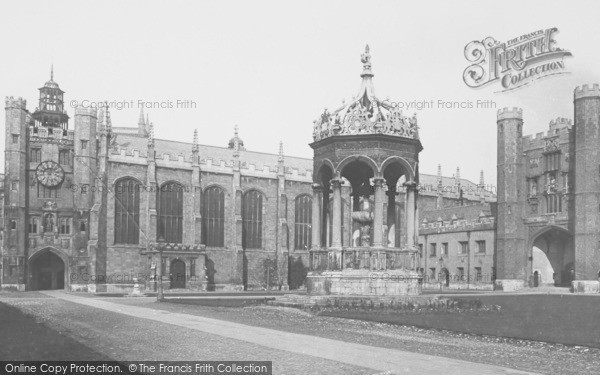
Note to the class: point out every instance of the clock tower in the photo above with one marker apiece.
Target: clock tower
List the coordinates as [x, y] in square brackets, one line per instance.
[50, 111]
[46, 203]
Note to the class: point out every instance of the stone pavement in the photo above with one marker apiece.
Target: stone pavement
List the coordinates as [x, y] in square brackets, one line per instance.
[379, 359]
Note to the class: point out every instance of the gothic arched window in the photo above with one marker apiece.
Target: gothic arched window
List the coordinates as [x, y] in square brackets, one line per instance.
[170, 212]
[127, 211]
[213, 217]
[252, 209]
[302, 222]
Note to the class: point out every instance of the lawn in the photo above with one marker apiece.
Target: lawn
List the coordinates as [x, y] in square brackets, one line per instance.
[565, 319]
[223, 302]
[24, 339]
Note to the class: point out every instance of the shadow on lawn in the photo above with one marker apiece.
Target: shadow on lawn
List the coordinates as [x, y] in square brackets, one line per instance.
[221, 302]
[564, 319]
[22, 338]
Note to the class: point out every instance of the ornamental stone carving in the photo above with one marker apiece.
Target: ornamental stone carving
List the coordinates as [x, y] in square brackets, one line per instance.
[366, 114]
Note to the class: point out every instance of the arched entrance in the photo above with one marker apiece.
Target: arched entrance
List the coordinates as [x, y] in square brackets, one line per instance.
[360, 176]
[552, 258]
[47, 271]
[395, 176]
[177, 275]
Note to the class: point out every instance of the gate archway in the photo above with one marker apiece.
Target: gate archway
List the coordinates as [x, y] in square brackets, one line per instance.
[47, 270]
[553, 255]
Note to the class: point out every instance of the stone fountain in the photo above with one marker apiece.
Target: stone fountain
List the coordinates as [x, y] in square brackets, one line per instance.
[364, 218]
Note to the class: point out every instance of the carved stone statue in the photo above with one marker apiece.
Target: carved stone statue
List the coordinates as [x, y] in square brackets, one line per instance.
[365, 58]
[533, 188]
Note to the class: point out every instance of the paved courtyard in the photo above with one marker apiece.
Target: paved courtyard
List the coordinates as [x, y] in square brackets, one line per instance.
[297, 342]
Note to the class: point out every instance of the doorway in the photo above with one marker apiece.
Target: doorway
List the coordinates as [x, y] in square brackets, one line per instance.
[177, 274]
[47, 271]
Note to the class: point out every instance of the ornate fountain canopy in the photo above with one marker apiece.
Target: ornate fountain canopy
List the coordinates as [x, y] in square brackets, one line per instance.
[365, 113]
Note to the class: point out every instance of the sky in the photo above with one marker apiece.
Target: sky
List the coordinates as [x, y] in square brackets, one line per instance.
[271, 67]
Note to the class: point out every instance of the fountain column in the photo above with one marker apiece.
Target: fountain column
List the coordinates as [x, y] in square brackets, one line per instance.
[316, 216]
[391, 215]
[336, 225]
[378, 213]
[411, 188]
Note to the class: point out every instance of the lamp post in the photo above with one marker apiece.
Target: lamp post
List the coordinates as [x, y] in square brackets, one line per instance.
[160, 245]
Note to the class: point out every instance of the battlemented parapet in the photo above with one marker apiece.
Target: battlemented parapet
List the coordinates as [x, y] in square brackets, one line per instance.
[510, 113]
[559, 132]
[12, 102]
[587, 91]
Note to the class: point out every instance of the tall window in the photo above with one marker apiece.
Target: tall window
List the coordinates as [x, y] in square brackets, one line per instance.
[64, 157]
[302, 222]
[432, 250]
[35, 155]
[48, 192]
[213, 217]
[252, 207]
[170, 212]
[552, 161]
[463, 247]
[554, 203]
[127, 211]
[33, 223]
[481, 246]
[65, 226]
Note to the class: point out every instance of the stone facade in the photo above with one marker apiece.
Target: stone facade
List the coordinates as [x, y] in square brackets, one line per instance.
[65, 237]
[458, 247]
[76, 222]
[548, 222]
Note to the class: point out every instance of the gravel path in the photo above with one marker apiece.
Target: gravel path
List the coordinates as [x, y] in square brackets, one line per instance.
[518, 354]
[125, 338]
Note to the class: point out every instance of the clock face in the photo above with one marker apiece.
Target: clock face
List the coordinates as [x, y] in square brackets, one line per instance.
[50, 173]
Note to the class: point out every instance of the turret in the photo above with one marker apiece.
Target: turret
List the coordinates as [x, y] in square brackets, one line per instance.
[587, 181]
[16, 189]
[15, 151]
[84, 159]
[512, 263]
